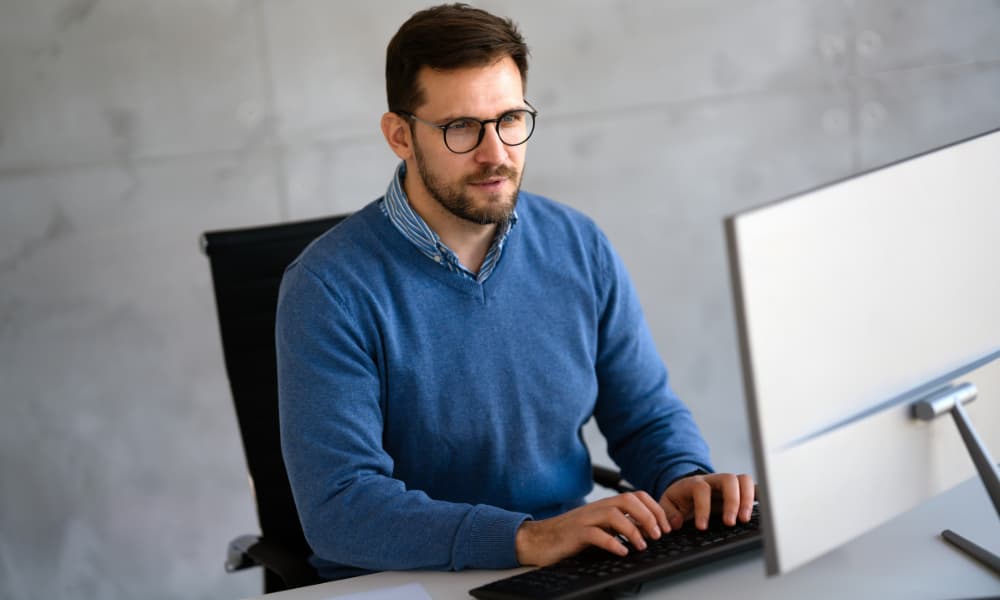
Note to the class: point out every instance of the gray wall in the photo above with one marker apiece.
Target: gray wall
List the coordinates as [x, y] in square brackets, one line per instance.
[128, 127]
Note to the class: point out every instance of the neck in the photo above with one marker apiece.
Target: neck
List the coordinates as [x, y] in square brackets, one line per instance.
[469, 241]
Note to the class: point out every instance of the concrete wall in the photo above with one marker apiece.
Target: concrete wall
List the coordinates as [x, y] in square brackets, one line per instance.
[128, 127]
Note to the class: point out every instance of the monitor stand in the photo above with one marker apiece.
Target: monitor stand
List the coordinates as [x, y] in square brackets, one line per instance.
[950, 400]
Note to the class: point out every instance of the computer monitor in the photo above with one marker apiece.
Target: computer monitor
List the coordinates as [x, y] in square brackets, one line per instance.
[853, 300]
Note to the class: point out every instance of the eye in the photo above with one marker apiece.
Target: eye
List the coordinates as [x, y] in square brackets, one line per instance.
[512, 118]
[460, 124]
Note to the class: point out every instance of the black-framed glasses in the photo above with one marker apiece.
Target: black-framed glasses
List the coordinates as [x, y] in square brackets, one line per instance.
[464, 134]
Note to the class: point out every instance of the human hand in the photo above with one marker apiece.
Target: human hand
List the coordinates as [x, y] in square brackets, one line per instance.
[632, 514]
[693, 495]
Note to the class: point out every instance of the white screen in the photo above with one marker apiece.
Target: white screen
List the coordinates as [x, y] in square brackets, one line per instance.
[851, 295]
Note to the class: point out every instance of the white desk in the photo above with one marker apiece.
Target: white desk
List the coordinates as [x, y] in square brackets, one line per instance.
[905, 558]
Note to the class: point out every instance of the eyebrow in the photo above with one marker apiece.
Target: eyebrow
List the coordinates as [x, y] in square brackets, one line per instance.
[447, 119]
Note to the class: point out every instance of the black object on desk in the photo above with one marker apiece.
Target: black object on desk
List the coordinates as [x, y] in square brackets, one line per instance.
[595, 573]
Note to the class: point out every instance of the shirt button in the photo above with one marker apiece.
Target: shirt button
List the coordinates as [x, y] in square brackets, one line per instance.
[437, 258]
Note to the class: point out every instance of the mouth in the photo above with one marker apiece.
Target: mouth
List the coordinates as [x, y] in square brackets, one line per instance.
[489, 185]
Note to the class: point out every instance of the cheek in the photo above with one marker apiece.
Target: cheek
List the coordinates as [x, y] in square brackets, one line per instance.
[518, 153]
[442, 162]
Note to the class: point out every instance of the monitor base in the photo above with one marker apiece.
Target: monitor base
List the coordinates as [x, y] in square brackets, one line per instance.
[974, 550]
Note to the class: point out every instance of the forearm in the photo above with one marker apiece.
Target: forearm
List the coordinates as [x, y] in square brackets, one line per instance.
[662, 451]
[651, 434]
[374, 523]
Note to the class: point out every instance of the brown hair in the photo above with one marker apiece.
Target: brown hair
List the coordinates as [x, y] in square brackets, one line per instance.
[449, 36]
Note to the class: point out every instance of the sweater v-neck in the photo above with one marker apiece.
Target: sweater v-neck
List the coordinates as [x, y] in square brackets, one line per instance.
[401, 248]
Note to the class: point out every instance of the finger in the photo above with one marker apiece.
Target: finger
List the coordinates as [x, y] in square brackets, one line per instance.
[701, 496]
[595, 536]
[747, 491]
[729, 486]
[659, 516]
[675, 517]
[621, 523]
[645, 513]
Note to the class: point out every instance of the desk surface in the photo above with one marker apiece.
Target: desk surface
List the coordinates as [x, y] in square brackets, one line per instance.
[905, 558]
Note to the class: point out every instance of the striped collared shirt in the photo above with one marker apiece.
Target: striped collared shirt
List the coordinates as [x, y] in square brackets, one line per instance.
[414, 228]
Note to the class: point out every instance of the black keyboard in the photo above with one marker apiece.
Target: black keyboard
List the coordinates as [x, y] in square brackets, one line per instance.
[596, 573]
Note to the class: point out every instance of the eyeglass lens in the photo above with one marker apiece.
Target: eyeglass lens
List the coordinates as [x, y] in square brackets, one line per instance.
[514, 128]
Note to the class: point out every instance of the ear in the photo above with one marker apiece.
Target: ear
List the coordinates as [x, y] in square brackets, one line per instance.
[397, 133]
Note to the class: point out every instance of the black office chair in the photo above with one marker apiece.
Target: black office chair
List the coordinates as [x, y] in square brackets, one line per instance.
[247, 265]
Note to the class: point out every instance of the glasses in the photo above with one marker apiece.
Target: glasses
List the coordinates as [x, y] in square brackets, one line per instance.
[464, 134]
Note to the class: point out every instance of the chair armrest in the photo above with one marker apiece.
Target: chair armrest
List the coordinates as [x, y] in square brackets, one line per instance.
[252, 550]
[237, 556]
[611, 479]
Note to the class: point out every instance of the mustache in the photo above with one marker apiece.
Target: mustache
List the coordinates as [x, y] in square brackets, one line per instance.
[490, 173]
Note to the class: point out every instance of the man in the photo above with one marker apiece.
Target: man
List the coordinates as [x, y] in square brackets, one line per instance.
[440, 351]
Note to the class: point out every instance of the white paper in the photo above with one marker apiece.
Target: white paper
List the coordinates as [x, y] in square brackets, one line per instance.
[410, 591]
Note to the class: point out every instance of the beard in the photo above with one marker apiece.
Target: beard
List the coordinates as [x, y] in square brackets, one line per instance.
[498, 210]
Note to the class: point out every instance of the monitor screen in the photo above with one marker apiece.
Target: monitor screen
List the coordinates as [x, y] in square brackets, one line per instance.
[853, 300]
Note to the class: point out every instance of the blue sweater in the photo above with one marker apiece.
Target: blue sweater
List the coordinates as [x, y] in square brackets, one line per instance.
[424, 415]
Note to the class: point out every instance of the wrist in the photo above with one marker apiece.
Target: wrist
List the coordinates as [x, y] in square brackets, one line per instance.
[524, 542]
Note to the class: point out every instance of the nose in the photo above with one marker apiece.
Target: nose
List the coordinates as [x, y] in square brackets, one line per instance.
[491, 150]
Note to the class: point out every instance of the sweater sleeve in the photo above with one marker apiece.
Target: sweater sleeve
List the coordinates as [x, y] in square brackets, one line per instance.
[651, 434]
[353, 512]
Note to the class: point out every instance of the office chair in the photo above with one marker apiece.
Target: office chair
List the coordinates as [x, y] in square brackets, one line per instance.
[247, 266]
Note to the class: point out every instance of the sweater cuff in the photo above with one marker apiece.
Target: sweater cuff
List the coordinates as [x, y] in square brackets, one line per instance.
[487, 539]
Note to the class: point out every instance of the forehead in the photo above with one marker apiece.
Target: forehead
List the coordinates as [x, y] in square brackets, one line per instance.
[473, 91]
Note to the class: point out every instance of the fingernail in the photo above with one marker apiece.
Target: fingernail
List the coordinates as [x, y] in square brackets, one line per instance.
[641, 545]
[656, 532]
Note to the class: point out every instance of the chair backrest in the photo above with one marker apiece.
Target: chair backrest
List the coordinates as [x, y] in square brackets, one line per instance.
[247, 266]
